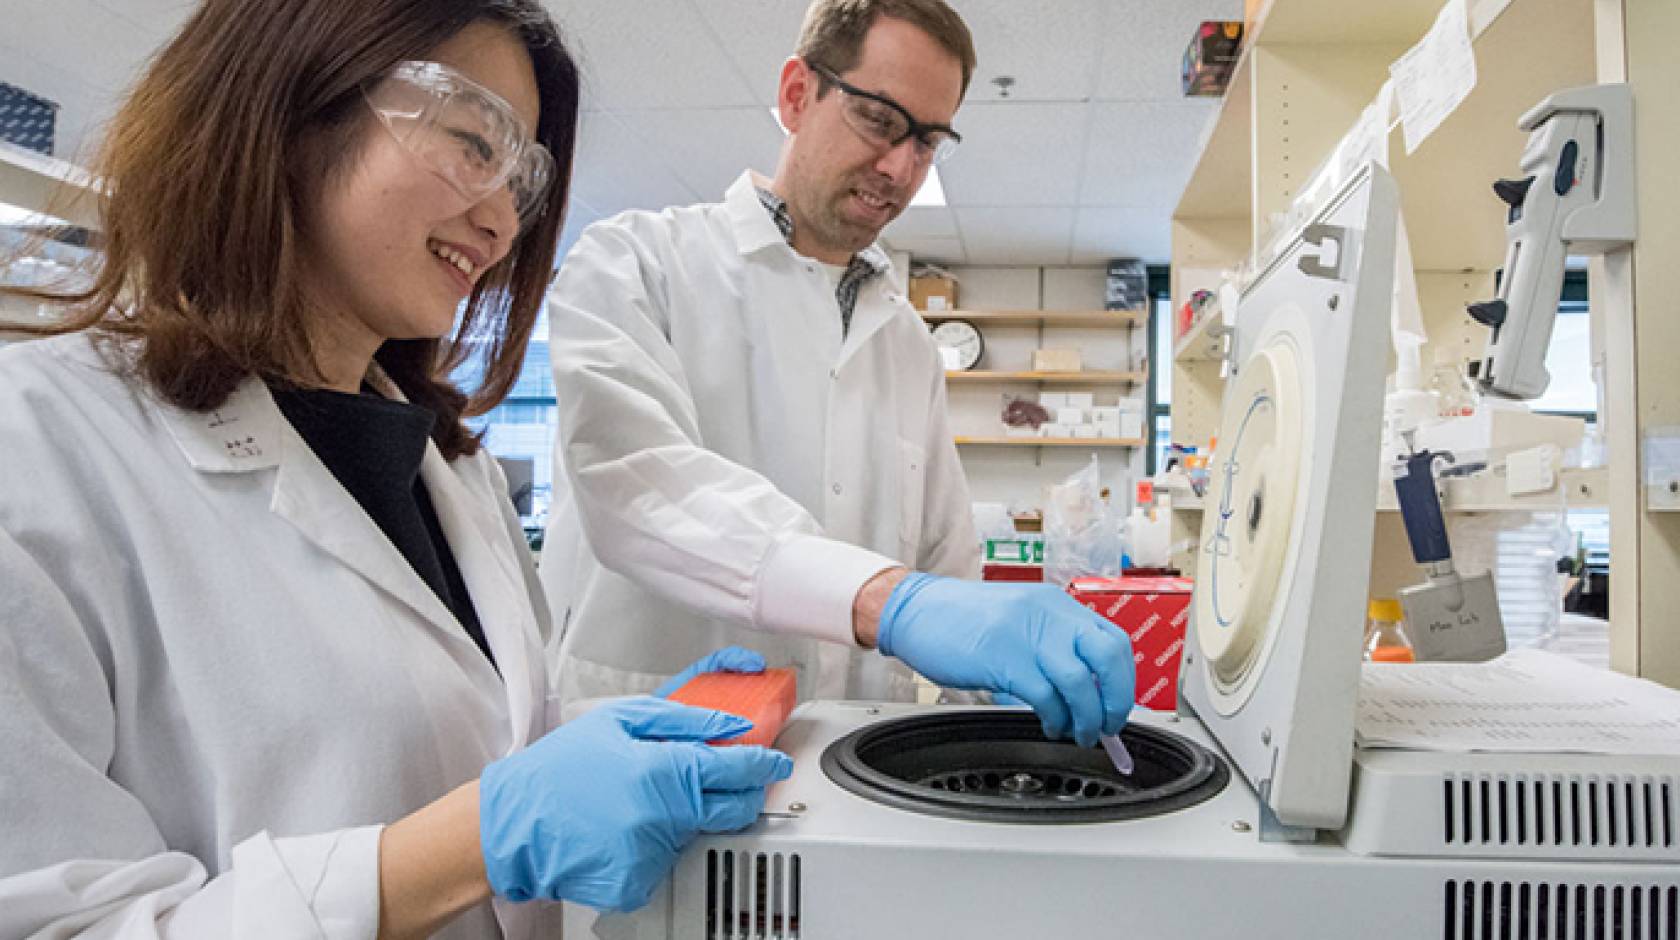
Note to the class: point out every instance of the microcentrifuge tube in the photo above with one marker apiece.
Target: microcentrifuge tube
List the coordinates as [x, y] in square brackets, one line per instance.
[1118, 754]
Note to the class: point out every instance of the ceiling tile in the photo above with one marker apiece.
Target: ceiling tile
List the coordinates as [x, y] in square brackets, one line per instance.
[1101, 234]
[616, 169]
[758, 36]
[1144, 41]
[1016, 154]
[1016, 236]
[162, 18]
[935, 250]
[677, 90]
[1051, 57]
[1140, 153]
[715, 145]
[100, 48]
[648, 54]
[919, 222]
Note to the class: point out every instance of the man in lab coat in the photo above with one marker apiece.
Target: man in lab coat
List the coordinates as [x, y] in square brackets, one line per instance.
[753, 444]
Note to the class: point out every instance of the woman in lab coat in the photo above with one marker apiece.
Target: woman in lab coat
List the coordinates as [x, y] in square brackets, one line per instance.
[269, 634]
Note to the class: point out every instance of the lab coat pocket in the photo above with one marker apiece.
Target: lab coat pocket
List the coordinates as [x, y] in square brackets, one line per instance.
[912, 483]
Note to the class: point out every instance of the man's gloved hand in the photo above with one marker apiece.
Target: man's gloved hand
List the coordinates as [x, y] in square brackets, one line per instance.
[596, 811]
[1030, 641]
[728, 659]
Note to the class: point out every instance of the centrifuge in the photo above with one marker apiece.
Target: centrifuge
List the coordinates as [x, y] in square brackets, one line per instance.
[1250, 813]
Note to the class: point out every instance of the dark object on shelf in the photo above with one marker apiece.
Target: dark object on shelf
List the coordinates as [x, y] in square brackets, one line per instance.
[1591, 596]
[1211, 58]
[1023, 413]
[1128, 285]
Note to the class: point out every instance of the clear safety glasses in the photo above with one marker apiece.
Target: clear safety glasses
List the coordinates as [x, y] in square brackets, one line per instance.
[886, 124]
[463, 132]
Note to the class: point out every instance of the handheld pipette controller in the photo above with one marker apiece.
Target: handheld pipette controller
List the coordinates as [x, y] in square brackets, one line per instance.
[1574, 196]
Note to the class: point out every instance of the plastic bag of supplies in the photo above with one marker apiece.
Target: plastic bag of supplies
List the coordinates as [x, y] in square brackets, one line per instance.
[1081, 531]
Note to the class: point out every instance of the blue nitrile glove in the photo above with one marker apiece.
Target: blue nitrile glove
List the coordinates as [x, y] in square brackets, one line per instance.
[596, 811]
[1030, 641]
[728, 659]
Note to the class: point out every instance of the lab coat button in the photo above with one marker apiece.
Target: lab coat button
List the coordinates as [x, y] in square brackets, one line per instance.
[836, 489]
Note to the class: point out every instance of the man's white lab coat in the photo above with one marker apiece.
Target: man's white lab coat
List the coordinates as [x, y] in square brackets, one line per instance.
[728, 468]
[218, 677]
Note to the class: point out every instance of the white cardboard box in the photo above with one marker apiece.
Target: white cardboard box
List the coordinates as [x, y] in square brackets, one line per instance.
[1105, 414]
[1070, 415]
[1056, 360]
[1108, 429]
[1085, 431]
[1083, 400]
[1052, 429]
[1131, 425]
[1052, 400]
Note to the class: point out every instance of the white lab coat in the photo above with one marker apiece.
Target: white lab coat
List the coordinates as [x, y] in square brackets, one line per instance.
[218, 678]
[728, 468]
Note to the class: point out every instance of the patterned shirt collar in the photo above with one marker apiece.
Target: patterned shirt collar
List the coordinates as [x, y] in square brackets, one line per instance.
[864, 265]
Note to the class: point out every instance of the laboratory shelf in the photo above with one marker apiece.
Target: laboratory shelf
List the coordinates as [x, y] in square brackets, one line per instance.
[1205, 339]
[1050, 378]
[1587, 488]
[1578, 488]
[1049, 441]
[1077, 318]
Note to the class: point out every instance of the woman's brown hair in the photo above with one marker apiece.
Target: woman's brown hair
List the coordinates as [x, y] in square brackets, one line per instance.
[210, 164]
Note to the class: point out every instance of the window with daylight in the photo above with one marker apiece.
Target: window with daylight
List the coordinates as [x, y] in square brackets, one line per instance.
[520, 431]
[1160, 368]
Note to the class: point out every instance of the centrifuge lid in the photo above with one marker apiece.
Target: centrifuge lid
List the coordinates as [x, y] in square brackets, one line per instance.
[1271, 665]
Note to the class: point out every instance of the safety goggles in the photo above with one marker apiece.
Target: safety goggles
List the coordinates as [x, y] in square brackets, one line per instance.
[463, 132]
[886, 124]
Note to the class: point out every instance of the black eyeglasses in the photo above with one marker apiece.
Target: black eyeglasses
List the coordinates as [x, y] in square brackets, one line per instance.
[884, 122]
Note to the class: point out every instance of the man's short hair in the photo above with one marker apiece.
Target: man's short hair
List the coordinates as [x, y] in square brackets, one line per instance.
[834, 30]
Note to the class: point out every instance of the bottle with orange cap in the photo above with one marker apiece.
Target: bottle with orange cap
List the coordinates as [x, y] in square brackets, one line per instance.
[1385, 632]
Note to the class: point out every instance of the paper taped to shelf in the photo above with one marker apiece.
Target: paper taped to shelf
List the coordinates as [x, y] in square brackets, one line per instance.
[1527, 701]
[1435, 76]
[1368, 139]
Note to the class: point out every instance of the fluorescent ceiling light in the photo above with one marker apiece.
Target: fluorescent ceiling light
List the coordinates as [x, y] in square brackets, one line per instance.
[932, 192]
[19, 217]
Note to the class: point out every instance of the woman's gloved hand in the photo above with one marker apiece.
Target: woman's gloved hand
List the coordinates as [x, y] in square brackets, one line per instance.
[1029, 641]
[596, 811]
[728, 659]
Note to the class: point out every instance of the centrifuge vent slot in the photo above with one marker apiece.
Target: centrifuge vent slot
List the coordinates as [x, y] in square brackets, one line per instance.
[1563, 810]
[752, 896]
[1506, 910]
